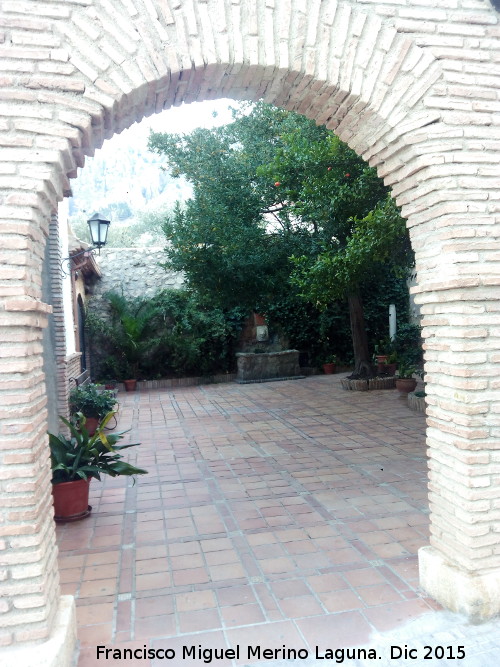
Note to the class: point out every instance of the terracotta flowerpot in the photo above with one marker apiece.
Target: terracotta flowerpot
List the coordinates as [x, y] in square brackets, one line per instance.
[381, 358]
[91, 424]
[328, 369]
[71, 500]
[130, 385]
[381, 362]
[405, 385]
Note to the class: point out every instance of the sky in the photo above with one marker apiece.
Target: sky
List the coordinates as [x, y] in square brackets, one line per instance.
[176, 120]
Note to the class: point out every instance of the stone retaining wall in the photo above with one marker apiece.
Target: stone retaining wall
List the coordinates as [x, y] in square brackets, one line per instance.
[134, 272]
[253, 367]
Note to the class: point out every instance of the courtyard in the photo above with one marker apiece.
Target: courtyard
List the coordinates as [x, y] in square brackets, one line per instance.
[284, 513]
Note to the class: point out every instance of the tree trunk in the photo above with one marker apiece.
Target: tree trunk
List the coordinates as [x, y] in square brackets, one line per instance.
[362, 362]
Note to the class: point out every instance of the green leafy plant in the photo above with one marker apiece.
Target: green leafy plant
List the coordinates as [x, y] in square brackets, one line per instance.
[408, 343]
[179, 335]
[82, 456]
[382, 347]
[392, 357]
[91, 402]
[406, 370]
[330, 359]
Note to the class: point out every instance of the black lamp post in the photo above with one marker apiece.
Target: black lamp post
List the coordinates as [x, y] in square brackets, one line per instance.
[98, 227]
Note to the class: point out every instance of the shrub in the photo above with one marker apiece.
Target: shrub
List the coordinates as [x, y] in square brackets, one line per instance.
[91, 402]
[170, 334]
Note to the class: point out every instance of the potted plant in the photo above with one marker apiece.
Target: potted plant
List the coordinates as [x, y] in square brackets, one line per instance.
[92, 403]
[75, 460]
[109, 384]
[391, 364]
[132, 324]
[381, 354]
[329, 364]
[405, 382]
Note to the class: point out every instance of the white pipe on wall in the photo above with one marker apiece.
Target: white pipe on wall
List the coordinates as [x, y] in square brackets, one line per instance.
[392, 321]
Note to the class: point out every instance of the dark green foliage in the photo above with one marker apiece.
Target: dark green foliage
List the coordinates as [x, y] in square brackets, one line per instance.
[408, 344]
[91, 402]
[270, 189]
[406, 370]
[325, 331]
[234, 237]
[82, 456]
[171, 334]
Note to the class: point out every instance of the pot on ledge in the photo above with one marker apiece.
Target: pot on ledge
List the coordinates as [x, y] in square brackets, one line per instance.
[130, 385]
[71, 500]
[405, 385]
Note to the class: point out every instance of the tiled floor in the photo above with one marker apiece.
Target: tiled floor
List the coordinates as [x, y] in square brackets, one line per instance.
[282, 513]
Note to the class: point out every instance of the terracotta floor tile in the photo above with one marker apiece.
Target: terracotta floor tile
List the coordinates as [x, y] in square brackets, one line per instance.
[290, 588]
[363, 577]
[261, 538]
[235, 595]
[208, 640]
[68, 562]
[103, 557]
[228, 571]
[195, 600]
[88, 657]
[71, 575]
[300, 607]
[244, 614]
[151, 566]
[269, 635]
[184, 548]
[88, 614]
[335, 630]
[153, 581]
[268, 551]
[326, 582]
[388, 616]
[153, 551]
[198, 620]
[93, 635]
[161, 605]
[343, 600]
[187, 561]
[221, 557]
[301, 547]
[103, 571]
[197, 575]
[98, 588]
[378, 594]
[216, 544]
[276, 565]
[158, 625]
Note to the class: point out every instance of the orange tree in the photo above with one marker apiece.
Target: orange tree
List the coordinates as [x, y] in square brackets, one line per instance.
[355, 226]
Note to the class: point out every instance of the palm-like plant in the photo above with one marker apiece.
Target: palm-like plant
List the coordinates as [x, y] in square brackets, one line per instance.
[82, 456]
[132, 329]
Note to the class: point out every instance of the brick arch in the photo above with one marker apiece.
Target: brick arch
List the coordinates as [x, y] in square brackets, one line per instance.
[413, 90]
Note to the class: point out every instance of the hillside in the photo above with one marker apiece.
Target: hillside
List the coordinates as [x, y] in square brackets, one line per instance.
[121, 180]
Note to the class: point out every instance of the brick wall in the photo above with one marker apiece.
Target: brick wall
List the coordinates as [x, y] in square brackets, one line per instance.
[413, 86]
